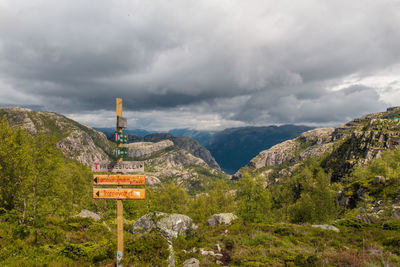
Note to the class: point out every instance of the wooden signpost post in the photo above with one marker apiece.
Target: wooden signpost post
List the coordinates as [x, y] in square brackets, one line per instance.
[120, 168]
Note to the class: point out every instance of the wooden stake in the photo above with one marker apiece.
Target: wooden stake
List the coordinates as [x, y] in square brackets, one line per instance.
[120, 220]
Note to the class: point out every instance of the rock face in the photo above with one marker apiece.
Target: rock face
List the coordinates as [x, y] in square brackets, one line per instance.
[171, 225]
[197, 150]
[175, 165]
[147, 149]
[288, 151]
[221, 218]
[88, 214]
[326, 227]
[396, 212]
[235, 147]
[75, 140]
[352, 144]
[191, 263]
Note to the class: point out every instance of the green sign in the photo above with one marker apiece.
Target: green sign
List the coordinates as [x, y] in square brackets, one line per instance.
[121, 138]
[121, 152]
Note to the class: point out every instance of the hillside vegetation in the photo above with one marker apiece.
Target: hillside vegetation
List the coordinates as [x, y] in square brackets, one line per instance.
[282, 208]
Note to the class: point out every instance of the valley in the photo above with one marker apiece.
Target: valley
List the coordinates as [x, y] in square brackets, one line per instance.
[321, 197]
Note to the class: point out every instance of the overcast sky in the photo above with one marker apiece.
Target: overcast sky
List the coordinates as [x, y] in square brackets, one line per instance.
[205, 64]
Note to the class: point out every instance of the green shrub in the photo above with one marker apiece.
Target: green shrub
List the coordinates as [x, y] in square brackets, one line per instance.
[146, 250]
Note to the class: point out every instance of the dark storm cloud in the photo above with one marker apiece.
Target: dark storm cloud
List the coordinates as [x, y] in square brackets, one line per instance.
[246, 61]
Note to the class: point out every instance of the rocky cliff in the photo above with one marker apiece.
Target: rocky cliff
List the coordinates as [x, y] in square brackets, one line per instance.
[182, 142]
[77, 141]
[165, 162]
[234, 147]
[354, 143]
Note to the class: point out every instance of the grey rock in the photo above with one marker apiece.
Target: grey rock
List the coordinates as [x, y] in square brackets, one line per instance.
[379, 180]
[88, 214]
[343, 199]
[318, 136]
[76, 141]
[171, 257]
[147, 149]
[171, 225]
[191, 263]
[317, 139]
[221, 218]
[396, 212]
[326, 227]
[188, 144]
[197, 150]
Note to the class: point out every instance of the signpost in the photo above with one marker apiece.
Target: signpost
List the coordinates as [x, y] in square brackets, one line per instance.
[121, 167]
[122, 193]
[99, 179]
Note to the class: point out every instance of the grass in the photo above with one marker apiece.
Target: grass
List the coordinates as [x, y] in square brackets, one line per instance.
[84, 242]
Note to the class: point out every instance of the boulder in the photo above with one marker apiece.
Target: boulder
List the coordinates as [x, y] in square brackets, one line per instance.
[396, 212]
[221, 218]
[171, 225]
[326, 227]
[88, 213]
[379, 180]
[191, 263]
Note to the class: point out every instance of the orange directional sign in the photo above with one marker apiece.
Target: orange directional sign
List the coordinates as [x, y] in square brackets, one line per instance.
[118, 193]
[118, 179]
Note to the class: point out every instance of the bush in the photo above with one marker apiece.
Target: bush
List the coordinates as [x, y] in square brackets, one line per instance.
[254, 201]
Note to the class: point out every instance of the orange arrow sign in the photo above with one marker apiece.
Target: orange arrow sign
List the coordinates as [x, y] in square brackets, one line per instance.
[118, 179]
[118, 193]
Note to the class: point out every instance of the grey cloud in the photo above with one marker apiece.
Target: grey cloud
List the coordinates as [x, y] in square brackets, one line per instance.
[245, 61]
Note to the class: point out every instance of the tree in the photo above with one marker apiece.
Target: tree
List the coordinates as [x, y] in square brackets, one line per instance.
[254, 201]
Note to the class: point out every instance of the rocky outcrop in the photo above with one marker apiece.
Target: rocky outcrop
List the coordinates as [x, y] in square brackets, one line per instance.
[197, 150]
[317, 136]
[326, 227]
[354, 143]
[80, 146]
[88, 214]
[191, 263]
[147, 149]
[276, 155]
[221, 218]
[75, 140]
[179, 166]
[171, 225]
[143, 147]
[309, 144]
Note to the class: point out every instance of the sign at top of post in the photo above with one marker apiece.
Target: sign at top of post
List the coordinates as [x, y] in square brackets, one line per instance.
[122, 166]
[122, 122]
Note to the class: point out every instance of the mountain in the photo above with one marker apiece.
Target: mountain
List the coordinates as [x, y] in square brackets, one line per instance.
[166, 162]
[180, 160]
[234, 147]
[203, 137]
[182, 142]
[355, 143]
[76, 141]
[187, 144]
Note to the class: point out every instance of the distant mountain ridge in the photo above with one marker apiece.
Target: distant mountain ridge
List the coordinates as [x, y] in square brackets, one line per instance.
[354, 143]
[234, 147]
[230, 149]
[164, 162]
[182, 142]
